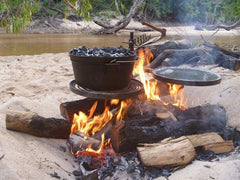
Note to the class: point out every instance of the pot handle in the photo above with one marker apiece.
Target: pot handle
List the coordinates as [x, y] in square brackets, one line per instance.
[115, 61]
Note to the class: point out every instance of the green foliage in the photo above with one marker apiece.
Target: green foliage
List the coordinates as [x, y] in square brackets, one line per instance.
[17, 14]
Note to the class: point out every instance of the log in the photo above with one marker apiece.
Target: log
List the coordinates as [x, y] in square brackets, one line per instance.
[220, 147]
[68, 109]
[175, 152]
[79, 142]
[178, 44]
[32, 123]
[176, 56]
[204, 139]
[151, 129]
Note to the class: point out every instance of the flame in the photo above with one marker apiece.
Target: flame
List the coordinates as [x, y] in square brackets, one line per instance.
[90, 124]
[123, 109]
[177, 93]
[150, 87]
[100, 148]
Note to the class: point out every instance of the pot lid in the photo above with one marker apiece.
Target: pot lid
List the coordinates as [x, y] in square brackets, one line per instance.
[186, 76]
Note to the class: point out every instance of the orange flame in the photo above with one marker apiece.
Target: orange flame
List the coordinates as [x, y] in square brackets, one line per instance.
[177, 93]
[100, 148]
[90, 124]
[151, 89]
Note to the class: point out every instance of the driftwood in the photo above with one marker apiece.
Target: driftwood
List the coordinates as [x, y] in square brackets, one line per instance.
[178, 44]
[207, 54]
[175, 152]
[151, 129]
[175, 57]
[32, 123]
[111, 29]
[223, 26]
[220, 147]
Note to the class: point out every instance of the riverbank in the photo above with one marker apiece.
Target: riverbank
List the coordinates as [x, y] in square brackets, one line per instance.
[65, 26]
[39, 83]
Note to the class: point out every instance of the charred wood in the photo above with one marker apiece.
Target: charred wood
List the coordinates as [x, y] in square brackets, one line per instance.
[151, 129]
[175, 57]
[32, 123]
[178, 44]
[68, 109]
[79, 142]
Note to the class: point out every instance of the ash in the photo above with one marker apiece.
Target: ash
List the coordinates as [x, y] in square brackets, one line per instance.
[103, 52]
[126, 166]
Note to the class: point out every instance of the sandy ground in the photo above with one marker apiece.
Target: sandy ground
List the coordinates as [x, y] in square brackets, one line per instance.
[40, 83]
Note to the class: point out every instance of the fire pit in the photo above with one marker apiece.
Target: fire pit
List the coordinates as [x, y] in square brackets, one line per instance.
[122, 118]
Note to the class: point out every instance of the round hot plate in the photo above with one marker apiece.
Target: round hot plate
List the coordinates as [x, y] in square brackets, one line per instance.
[135, 88]
[186, 76]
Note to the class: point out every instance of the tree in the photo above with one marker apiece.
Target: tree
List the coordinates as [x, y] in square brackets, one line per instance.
[17, 14]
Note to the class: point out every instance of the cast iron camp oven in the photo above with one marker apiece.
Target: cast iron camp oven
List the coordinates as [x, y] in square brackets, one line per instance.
[101, 72]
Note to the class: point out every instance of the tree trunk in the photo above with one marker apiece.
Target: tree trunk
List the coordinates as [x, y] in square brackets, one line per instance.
[111, 29]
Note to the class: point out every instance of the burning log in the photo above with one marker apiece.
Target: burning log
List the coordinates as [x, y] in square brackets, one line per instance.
[220, 147]
[151, 129]
[32, 123]
[174, 152]
[78, 141]
[68, 109]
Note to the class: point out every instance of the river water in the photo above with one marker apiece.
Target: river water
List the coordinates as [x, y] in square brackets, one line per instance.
[29, 44]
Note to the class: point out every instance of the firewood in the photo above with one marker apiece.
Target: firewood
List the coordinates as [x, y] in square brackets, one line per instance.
[32, 123]
[165, 115]
[78, 142]
[204, 139]
[151, 129]
[175, 152]
[68, 109]
[220, 147]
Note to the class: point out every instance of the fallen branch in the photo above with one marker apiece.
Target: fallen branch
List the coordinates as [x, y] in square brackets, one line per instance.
[223, 26]
[111, 29]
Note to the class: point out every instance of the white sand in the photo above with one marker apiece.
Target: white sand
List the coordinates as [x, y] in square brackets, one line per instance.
[40, 83]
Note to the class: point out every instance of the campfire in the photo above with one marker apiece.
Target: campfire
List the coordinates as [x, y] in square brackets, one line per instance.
[89, 123]
[135, 128]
